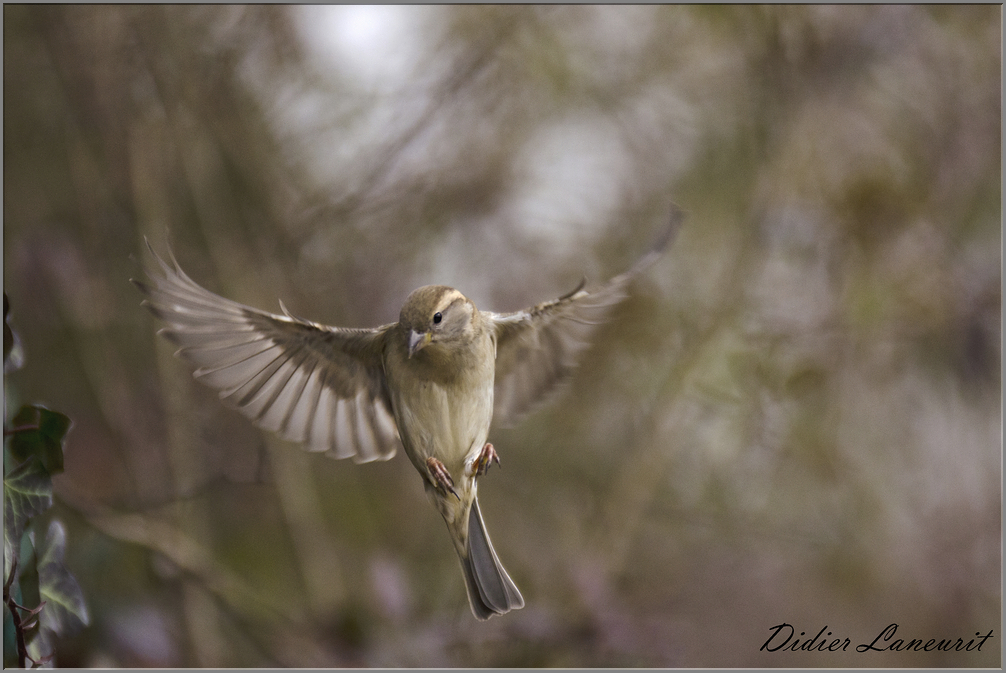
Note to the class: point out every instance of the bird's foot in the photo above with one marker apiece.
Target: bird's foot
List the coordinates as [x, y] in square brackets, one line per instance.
[485, 459]
[441, 477]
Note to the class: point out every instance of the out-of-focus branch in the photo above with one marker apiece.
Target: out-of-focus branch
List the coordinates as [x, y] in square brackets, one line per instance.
[642, 473]
[279, 625]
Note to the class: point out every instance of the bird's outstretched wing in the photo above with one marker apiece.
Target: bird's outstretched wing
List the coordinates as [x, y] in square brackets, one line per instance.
[536, 349]
[321, 386]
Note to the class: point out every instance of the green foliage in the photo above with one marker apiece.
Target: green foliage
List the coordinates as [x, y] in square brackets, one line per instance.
[34, 573]
[65, 611]
[42, 438]
[27, 493]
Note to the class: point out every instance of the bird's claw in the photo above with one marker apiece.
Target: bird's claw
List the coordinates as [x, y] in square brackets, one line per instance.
[487, 457]
[441, 476]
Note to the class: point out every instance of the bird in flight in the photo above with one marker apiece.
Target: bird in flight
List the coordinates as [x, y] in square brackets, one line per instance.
[431, 383]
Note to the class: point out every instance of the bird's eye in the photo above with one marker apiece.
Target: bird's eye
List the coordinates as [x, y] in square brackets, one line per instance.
[437, 317]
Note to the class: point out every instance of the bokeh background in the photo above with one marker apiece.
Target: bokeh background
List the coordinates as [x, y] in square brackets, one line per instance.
[794, 418]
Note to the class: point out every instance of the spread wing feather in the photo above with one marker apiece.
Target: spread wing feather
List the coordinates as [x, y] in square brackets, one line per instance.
[537, 348]
[321, 386]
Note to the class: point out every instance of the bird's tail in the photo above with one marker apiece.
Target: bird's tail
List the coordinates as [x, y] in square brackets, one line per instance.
[490, 589]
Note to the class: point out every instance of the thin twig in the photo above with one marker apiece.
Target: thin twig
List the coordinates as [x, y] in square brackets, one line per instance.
[20, 625]
[22, 648]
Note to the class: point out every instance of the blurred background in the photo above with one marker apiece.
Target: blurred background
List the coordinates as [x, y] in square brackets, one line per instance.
[795, 417]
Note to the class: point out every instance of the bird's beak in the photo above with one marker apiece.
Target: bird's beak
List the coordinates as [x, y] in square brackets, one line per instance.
[418, 342]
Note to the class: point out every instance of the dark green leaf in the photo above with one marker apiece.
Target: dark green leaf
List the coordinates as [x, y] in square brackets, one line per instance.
[27, 492]
[27, 575]
[9, 641]
[65, 611]
[40, 432]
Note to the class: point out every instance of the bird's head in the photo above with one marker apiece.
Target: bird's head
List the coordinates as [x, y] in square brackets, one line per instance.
[436, 314]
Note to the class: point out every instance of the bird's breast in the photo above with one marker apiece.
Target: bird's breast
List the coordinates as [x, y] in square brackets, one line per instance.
[446, 417]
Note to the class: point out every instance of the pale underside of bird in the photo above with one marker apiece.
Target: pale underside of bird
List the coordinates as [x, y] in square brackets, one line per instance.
[431, 383]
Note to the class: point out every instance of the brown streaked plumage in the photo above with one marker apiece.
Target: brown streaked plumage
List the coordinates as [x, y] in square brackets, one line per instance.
[432, 383]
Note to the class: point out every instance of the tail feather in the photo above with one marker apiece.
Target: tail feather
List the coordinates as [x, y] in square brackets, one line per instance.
[490, 589]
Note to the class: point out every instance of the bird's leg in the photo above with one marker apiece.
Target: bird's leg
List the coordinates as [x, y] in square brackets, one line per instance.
[441, 476]
[485, 459]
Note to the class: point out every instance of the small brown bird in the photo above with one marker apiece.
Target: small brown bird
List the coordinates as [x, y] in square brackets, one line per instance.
[431, 382]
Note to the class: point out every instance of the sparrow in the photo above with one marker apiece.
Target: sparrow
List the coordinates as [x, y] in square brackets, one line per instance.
[431, 382]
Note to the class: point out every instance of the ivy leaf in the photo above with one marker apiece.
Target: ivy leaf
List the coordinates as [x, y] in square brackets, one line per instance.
[44, 440]
[9, 641]
[26, 581]
[65, 612]
[41, 648]
[27, 492]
